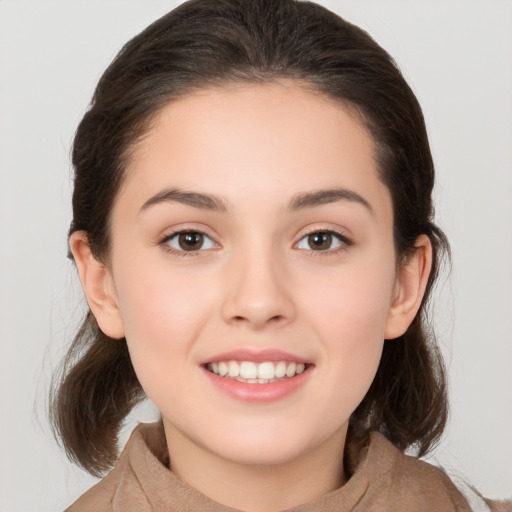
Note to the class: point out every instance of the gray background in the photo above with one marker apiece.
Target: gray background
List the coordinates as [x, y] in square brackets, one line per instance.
[457, 54]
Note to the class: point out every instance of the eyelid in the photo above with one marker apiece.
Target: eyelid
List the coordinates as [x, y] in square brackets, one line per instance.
[174, 232]
[344, 240]
[187, 227]
[339, 234]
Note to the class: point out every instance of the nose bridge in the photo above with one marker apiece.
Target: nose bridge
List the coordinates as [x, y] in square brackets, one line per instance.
[258, 293]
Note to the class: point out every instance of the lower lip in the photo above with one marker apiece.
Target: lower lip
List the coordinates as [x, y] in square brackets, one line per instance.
[269, 392]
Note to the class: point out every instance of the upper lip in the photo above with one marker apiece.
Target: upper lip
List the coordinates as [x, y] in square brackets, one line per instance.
[256, 356]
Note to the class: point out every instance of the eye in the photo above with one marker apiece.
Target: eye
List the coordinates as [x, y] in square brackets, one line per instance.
[323, 241]
[189, 241]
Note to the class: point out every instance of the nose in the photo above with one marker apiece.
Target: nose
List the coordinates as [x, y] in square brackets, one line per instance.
[258, 294]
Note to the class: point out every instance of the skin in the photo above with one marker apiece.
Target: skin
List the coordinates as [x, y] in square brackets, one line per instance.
[255, 284]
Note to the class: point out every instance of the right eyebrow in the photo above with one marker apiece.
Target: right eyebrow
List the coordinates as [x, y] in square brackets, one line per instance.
[195, 199]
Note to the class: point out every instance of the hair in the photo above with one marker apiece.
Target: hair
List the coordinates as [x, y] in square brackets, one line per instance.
[211, 43]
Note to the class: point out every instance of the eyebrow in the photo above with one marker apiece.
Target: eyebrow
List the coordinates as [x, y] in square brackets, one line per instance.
[320, 197]
[299, 202]
[195, 199]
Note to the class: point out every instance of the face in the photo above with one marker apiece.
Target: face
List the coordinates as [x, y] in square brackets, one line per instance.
[253, 270]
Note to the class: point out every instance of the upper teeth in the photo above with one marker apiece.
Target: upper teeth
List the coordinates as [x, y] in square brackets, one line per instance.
[249, 371]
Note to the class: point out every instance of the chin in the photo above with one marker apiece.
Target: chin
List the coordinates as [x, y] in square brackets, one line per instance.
[264, 447]
[268, 454]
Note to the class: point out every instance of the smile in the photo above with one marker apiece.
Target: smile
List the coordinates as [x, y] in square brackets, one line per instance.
[250, 372]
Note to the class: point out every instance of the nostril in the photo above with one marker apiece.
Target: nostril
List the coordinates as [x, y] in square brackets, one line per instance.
[276, 319]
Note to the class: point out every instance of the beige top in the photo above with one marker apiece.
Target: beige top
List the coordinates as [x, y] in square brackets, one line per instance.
[384, 479]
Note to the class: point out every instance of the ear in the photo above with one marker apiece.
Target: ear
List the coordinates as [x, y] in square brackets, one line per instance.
[410, 285]
[98, 286]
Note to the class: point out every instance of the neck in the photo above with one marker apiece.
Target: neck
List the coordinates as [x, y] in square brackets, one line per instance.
[258, 488]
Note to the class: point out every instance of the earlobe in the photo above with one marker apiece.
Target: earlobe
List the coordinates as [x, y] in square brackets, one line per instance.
[411, 282]
[98, 286]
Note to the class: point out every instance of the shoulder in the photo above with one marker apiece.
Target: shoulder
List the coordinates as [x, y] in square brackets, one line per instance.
[120, 489]
[405, 481]
[141, 481]
[427, 486]
[478, 503]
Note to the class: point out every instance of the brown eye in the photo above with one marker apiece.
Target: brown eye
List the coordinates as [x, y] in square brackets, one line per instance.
[189, 241]
[320, 241]
[323, 241]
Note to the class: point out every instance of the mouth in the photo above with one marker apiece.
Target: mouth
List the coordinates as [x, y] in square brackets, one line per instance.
[258, 376]
[250, 372]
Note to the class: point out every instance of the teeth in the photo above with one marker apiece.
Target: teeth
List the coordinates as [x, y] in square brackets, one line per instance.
[233, 369]
[280, 370]
[222, 369]
[256, 373]
[248, 370]
[266, 371]
[290, 369]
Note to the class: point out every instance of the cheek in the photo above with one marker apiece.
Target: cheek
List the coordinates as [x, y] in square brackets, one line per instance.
[349, 311]
[162, 316]
[351, 304]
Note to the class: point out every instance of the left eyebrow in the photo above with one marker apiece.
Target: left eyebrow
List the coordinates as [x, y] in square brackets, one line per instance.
[194, 199]
[332, 195]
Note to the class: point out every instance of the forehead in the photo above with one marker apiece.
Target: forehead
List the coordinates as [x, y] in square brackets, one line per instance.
[271, 141]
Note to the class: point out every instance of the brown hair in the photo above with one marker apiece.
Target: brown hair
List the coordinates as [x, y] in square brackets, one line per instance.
[210, 43]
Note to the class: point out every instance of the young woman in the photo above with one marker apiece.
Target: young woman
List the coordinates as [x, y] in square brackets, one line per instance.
[253, 229]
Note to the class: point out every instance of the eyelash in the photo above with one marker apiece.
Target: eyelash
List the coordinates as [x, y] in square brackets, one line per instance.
[342, 239]
[182, 253]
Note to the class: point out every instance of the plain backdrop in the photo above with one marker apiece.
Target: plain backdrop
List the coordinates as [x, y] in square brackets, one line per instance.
[457, 55]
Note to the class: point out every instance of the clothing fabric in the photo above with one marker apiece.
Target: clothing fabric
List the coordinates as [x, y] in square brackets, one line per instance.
[382, 479]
